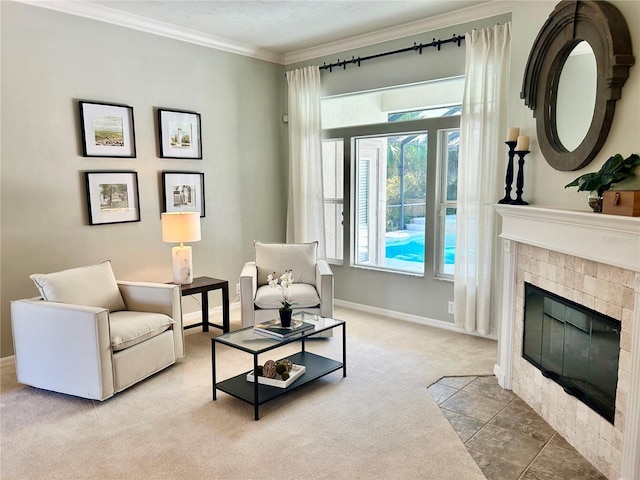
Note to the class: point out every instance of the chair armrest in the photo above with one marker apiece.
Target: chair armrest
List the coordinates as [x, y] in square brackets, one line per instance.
[324, 284]
[248, 288]
[156, 298]
[62, 347]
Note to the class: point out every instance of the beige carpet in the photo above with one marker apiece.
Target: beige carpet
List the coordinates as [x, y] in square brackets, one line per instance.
[377, 423]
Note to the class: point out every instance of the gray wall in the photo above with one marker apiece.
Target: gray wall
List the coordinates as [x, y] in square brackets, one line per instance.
[49, 61]
[421, 296]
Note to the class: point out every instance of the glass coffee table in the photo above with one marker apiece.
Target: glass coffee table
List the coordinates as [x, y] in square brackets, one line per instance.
[247, 340]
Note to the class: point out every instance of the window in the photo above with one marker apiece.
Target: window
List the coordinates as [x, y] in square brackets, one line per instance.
[333, 181]
[398, 151]
[390, 201]
[446, 252]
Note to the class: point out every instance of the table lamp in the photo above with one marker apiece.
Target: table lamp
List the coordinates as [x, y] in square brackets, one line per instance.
[181, 227]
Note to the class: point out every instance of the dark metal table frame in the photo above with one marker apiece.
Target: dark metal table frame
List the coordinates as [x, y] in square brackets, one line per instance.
[256, 393]
[204, 285]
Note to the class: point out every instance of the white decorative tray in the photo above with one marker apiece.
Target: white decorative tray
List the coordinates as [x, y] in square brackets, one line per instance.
[296, 371]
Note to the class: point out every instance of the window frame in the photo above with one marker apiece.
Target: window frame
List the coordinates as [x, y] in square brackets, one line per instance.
[443, 204]
[335, 201]
[348, 134]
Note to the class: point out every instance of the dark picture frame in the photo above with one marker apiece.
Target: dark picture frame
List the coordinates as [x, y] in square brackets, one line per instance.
[180, 134]
[112, 197]
[183, 192]
[107, 130]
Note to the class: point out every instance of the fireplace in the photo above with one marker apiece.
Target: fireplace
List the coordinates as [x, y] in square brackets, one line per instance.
[593, 261]
[574, 346]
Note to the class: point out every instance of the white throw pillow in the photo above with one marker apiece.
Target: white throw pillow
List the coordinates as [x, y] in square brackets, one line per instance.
[279, 257]
[91, 286]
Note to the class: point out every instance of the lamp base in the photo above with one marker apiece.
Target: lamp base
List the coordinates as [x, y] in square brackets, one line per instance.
[182, 265]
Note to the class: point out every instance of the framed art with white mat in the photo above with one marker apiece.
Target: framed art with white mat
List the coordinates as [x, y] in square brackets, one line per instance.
[112, 197]
[107, 130]
[180, 134]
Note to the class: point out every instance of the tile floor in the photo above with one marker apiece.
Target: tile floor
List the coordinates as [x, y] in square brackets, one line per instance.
[507, 438]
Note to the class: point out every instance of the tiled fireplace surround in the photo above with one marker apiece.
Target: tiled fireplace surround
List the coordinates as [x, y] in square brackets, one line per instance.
[594, 260]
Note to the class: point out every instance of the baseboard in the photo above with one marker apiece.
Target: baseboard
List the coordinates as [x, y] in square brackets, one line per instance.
[430, 322]
[499, 373]
[10, 360]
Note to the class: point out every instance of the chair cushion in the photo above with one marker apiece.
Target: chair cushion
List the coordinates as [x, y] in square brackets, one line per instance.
[91, 286]
[130, 328]
[303, 295]
[279, 257]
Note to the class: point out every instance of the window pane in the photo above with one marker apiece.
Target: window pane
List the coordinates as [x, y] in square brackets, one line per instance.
[333, 226]
[449, 145]
[332, 168]
[391, 201]
[430, 99]
[453, 147]
[332, 177]
[427, 113]
[449, 250]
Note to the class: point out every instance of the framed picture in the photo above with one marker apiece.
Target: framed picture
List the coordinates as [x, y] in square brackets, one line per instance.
[112, 197]
[180, 134]
[107, 130]
[183, 192]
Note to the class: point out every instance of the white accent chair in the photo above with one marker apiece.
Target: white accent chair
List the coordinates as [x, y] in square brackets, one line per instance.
[92, 336]
[312, 290]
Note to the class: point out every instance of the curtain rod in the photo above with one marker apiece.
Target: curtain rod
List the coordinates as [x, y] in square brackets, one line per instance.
[415, 48]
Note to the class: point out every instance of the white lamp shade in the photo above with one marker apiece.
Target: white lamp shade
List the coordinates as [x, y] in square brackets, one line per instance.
[178, 227]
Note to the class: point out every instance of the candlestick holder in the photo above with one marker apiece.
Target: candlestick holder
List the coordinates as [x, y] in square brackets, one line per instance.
[509, 178]
[520, 179]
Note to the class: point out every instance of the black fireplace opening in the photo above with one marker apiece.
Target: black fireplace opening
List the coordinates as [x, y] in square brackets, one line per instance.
[573, 345]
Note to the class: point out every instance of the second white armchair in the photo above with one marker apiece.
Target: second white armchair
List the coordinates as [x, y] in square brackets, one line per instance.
[312, 290]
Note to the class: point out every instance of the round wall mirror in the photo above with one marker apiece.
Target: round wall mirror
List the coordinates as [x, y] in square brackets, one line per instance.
[571, 131]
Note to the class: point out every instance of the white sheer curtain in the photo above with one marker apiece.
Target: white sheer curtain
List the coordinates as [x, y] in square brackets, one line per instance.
[482, 136]
[305, 210]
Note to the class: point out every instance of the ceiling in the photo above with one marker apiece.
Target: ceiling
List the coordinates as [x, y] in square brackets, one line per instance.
[281, 30]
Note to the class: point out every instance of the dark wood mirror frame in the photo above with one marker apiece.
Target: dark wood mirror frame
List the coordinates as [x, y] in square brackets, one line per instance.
[602, 25]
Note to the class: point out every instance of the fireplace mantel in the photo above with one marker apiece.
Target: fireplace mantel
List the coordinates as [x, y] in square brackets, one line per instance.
[610, 239]
[606, 239]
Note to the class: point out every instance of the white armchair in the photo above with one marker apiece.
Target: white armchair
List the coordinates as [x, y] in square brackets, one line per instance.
[91, 336]
[312, 290]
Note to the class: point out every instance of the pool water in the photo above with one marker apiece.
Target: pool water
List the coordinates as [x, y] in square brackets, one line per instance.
[410, 248]
[411, 251]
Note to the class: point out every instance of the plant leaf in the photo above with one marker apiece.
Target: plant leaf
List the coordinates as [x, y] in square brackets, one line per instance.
[613, 164]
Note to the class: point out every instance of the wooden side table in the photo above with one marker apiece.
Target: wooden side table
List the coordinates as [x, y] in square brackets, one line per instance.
[204, 285]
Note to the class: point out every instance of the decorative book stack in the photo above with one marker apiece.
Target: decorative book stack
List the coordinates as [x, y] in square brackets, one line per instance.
[273, 328]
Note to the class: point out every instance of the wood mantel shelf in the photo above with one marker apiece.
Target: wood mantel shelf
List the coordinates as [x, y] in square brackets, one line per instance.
[610, 239]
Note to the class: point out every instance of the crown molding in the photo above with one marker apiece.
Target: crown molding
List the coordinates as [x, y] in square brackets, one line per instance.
[458, 17]
[136, 22]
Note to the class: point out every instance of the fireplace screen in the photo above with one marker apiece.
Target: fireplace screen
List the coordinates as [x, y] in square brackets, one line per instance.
[573, 345]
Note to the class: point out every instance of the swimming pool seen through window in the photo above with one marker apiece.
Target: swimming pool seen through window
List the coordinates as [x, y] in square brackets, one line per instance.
[400, 177]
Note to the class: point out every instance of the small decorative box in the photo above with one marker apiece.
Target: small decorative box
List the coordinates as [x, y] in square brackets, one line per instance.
[621, 202]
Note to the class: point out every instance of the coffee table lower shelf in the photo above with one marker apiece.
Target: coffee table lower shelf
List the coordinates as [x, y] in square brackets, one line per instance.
[316, 366]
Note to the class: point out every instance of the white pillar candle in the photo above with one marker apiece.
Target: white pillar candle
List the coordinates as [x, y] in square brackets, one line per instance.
[512, 134]
[523, 144]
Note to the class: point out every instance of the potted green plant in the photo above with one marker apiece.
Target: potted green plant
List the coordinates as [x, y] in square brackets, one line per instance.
[614, 170]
